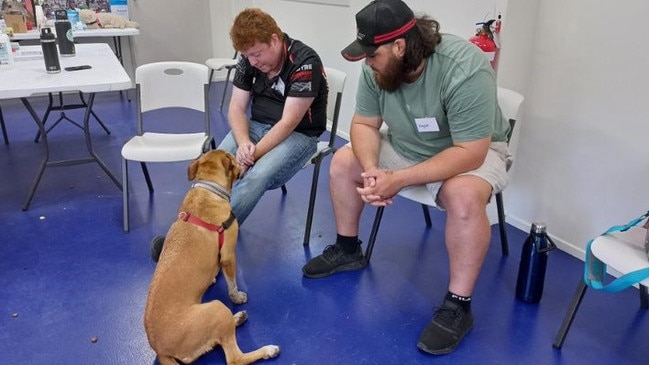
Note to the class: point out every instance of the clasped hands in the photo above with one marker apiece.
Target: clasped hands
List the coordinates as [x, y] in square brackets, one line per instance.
[245, 156]
[379, 187]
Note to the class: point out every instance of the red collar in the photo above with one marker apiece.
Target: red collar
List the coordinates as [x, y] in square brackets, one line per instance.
[186, 217]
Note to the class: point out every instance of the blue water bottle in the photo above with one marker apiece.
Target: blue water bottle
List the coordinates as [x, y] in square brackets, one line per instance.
[534, 259]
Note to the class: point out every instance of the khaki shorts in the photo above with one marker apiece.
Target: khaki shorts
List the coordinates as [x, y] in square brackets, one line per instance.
[493, 170]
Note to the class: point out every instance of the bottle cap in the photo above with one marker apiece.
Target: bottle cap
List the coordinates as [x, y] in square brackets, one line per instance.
[46, 33]
[538, 227]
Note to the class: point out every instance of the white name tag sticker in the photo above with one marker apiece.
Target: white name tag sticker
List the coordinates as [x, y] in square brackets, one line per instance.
[427, 124]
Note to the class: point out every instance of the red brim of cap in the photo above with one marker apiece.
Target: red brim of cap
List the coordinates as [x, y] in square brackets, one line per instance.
[357, 51]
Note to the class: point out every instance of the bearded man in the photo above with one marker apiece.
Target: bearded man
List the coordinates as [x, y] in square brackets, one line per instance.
[436, 94]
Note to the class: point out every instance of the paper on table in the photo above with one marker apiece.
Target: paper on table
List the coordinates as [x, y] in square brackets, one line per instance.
[28, 55]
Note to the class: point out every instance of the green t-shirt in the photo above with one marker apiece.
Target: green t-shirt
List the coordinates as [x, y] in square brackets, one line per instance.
[453, 100]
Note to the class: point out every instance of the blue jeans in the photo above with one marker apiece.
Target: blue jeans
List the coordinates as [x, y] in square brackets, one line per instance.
[271, 171]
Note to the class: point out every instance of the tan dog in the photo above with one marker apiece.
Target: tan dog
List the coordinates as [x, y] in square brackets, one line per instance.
[94, 20]
[179, 327]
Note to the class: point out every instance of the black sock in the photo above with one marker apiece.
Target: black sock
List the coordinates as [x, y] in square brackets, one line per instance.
[464, 302]
[349, 244]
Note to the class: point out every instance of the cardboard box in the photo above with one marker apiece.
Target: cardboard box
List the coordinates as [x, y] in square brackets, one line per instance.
[16, 21]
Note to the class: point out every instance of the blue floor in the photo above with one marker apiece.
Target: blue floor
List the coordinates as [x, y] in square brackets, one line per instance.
[73, 285]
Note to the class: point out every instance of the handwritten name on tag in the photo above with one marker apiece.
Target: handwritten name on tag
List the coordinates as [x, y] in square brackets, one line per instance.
[427, 124]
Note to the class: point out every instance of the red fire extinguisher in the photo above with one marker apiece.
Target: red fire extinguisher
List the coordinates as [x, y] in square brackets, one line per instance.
[484, 39]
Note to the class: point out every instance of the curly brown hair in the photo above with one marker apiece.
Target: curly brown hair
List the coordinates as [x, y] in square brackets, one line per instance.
[253, 25]
[421, 42]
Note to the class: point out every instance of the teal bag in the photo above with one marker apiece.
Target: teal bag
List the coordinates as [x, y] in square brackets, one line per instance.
[595, 270]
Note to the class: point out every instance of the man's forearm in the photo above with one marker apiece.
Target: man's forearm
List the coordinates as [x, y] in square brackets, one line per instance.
[365, 144]
[239, 126]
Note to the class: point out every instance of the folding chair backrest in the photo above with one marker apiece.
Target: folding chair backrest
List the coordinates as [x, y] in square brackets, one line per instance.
[172, 84]
[336, 81]
[162, 85]
[510, 102]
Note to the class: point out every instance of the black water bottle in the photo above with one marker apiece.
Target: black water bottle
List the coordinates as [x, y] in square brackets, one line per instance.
[534, 259]
[50, 53]
[64, 35]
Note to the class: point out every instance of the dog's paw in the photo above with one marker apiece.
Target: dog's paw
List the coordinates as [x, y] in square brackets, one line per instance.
[238, 297]
[271, 351]
[240, 318]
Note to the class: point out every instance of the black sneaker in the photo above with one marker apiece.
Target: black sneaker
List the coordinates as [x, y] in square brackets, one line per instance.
[449, 325]
[156, 247]
[334, 259]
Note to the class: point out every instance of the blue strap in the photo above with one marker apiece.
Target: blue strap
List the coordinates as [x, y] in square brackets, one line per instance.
[595, 269]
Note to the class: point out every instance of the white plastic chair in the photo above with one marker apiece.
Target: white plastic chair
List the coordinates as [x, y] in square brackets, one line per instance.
[219, 64]
[336, 81]
[510, 103]
[624, 252]
[162, 85]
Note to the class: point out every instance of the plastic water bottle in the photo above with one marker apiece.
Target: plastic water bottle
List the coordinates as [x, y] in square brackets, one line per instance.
[534, 259]
[64, 35]
[6, 55]
[50, 53]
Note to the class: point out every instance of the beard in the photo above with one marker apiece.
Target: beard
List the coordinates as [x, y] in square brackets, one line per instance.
[393, 76]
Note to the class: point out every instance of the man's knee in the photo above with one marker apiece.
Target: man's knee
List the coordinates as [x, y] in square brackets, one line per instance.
[464, 194]
[344, 164]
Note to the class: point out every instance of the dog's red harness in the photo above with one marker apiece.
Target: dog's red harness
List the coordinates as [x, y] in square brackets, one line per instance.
[186, 217]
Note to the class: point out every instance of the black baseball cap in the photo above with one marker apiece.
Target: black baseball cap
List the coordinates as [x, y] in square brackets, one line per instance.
[380, 22]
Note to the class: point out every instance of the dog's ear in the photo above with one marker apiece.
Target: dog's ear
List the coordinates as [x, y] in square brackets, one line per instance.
[234, 170]
[192, 169]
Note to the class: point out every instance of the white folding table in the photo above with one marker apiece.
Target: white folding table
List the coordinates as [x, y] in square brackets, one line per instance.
[28, 77]
[115, 33]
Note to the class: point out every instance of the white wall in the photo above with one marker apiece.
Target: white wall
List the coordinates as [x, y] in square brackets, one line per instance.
[172, 31]
[582, 154]
[328, 29]
[583, 158]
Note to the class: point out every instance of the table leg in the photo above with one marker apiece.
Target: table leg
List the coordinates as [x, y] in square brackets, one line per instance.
[46, 158]
[41, 168]
[62, 107]
[117, 43]
[86, 132]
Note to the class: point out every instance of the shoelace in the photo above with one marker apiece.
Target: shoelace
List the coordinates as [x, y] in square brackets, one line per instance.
[447, 316]
[332, 251]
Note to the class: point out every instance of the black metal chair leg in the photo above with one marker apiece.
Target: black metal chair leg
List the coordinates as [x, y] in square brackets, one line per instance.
[375, 231]
[501, 224]
[125, 203]
[570, 315]
[644, 297]
[424, 208]
[309, 214]
[145, 171]
[4, 128]
[225, 88]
